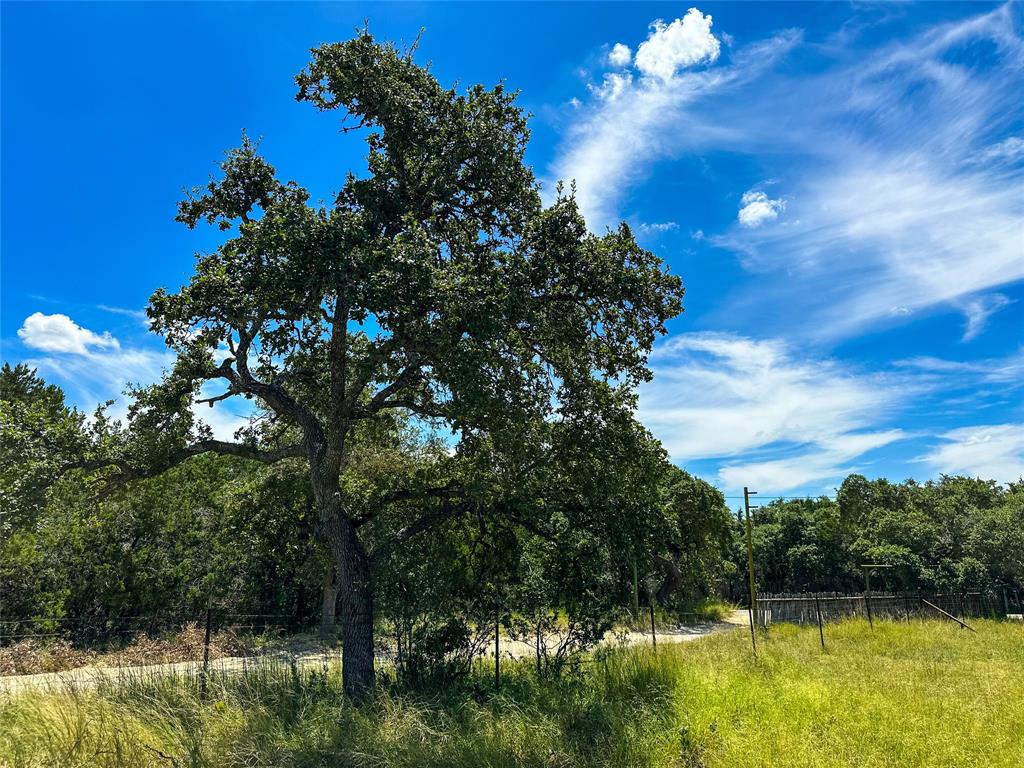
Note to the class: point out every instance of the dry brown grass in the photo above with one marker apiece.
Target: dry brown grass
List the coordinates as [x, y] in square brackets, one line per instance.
[31, 656]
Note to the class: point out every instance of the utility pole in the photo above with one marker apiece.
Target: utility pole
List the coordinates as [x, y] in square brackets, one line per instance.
[750, 567]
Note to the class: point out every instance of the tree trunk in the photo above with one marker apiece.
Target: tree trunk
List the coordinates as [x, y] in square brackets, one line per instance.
[353, 579]
[357, 670]
[329, 604]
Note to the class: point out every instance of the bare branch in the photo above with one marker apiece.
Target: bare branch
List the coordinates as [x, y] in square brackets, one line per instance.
[408, 375]
[421, 408]
[216, 398]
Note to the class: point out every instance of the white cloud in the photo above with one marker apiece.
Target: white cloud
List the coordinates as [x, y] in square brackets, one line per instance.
[683, 43]
[657, 228]
[989, 451]
[94, 377]
[756, 208]
[903, 187]
[891, 208]
[724, 396]
[139, 315]
[821, 463]
[59, 333]
[1009, 150]
[612, 86]
[620, 55]
[1007, 370]
[884, 234]
[978, 310]
[94, 368]
[634, 121]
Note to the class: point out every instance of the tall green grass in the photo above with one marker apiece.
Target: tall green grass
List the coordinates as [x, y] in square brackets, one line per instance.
[918, 694]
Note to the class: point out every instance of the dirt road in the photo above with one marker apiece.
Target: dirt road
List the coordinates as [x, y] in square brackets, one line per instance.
[86, 677]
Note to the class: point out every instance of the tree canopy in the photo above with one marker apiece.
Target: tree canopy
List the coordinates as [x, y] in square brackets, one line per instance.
[435, 287]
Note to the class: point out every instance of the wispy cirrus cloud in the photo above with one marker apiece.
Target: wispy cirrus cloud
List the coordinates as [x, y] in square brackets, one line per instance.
[900, 185]
[978, 309]
[642, 114]
[904, 197]
[775, 418]
[991, 451]
[1007, 371]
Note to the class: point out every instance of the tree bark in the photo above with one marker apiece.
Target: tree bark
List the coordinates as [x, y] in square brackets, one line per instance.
[357, 669]
[354, 584]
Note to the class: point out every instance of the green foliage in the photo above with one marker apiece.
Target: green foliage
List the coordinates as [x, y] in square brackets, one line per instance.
[38, 435]
[696, 541]
[954, 534]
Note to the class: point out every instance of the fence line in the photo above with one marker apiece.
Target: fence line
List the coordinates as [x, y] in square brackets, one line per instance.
[801, 608]
[97, 630]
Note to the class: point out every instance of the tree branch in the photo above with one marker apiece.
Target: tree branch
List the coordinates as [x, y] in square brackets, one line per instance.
[426, 522]
[128, 472]
[407, 494]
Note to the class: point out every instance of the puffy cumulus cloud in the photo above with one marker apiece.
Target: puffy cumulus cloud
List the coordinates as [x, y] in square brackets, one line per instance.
[683, 43]
[990, 451]
[94, 368]
[756, 208]
[799, 419]
[620, 55]
[59, 333]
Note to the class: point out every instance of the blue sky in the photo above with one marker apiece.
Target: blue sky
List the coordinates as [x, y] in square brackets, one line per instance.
[841, 187]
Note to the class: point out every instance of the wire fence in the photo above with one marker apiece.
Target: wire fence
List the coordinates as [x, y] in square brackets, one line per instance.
[101, 630]
[808, 607]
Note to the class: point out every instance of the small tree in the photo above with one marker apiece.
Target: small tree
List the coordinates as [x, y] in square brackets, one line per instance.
[437, 286]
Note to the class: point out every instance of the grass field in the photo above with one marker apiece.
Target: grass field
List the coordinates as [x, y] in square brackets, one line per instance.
[918, 694]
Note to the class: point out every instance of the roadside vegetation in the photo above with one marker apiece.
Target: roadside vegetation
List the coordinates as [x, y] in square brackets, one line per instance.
[441, 371]
[924, 693]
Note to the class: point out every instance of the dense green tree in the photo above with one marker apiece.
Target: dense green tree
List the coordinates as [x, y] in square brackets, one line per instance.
[436, 285]
[38, 435]
[695, 543]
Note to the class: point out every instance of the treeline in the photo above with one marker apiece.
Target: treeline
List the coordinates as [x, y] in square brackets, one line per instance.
[957, 534]
[238, 535]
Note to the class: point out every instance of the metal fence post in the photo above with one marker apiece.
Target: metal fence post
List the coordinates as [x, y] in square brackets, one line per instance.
[206, 657]
[750, 569]
[654, 636]
[867, 597]
[821, 630]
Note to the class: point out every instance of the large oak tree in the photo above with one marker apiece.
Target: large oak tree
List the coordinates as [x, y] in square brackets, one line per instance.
[436, 286]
